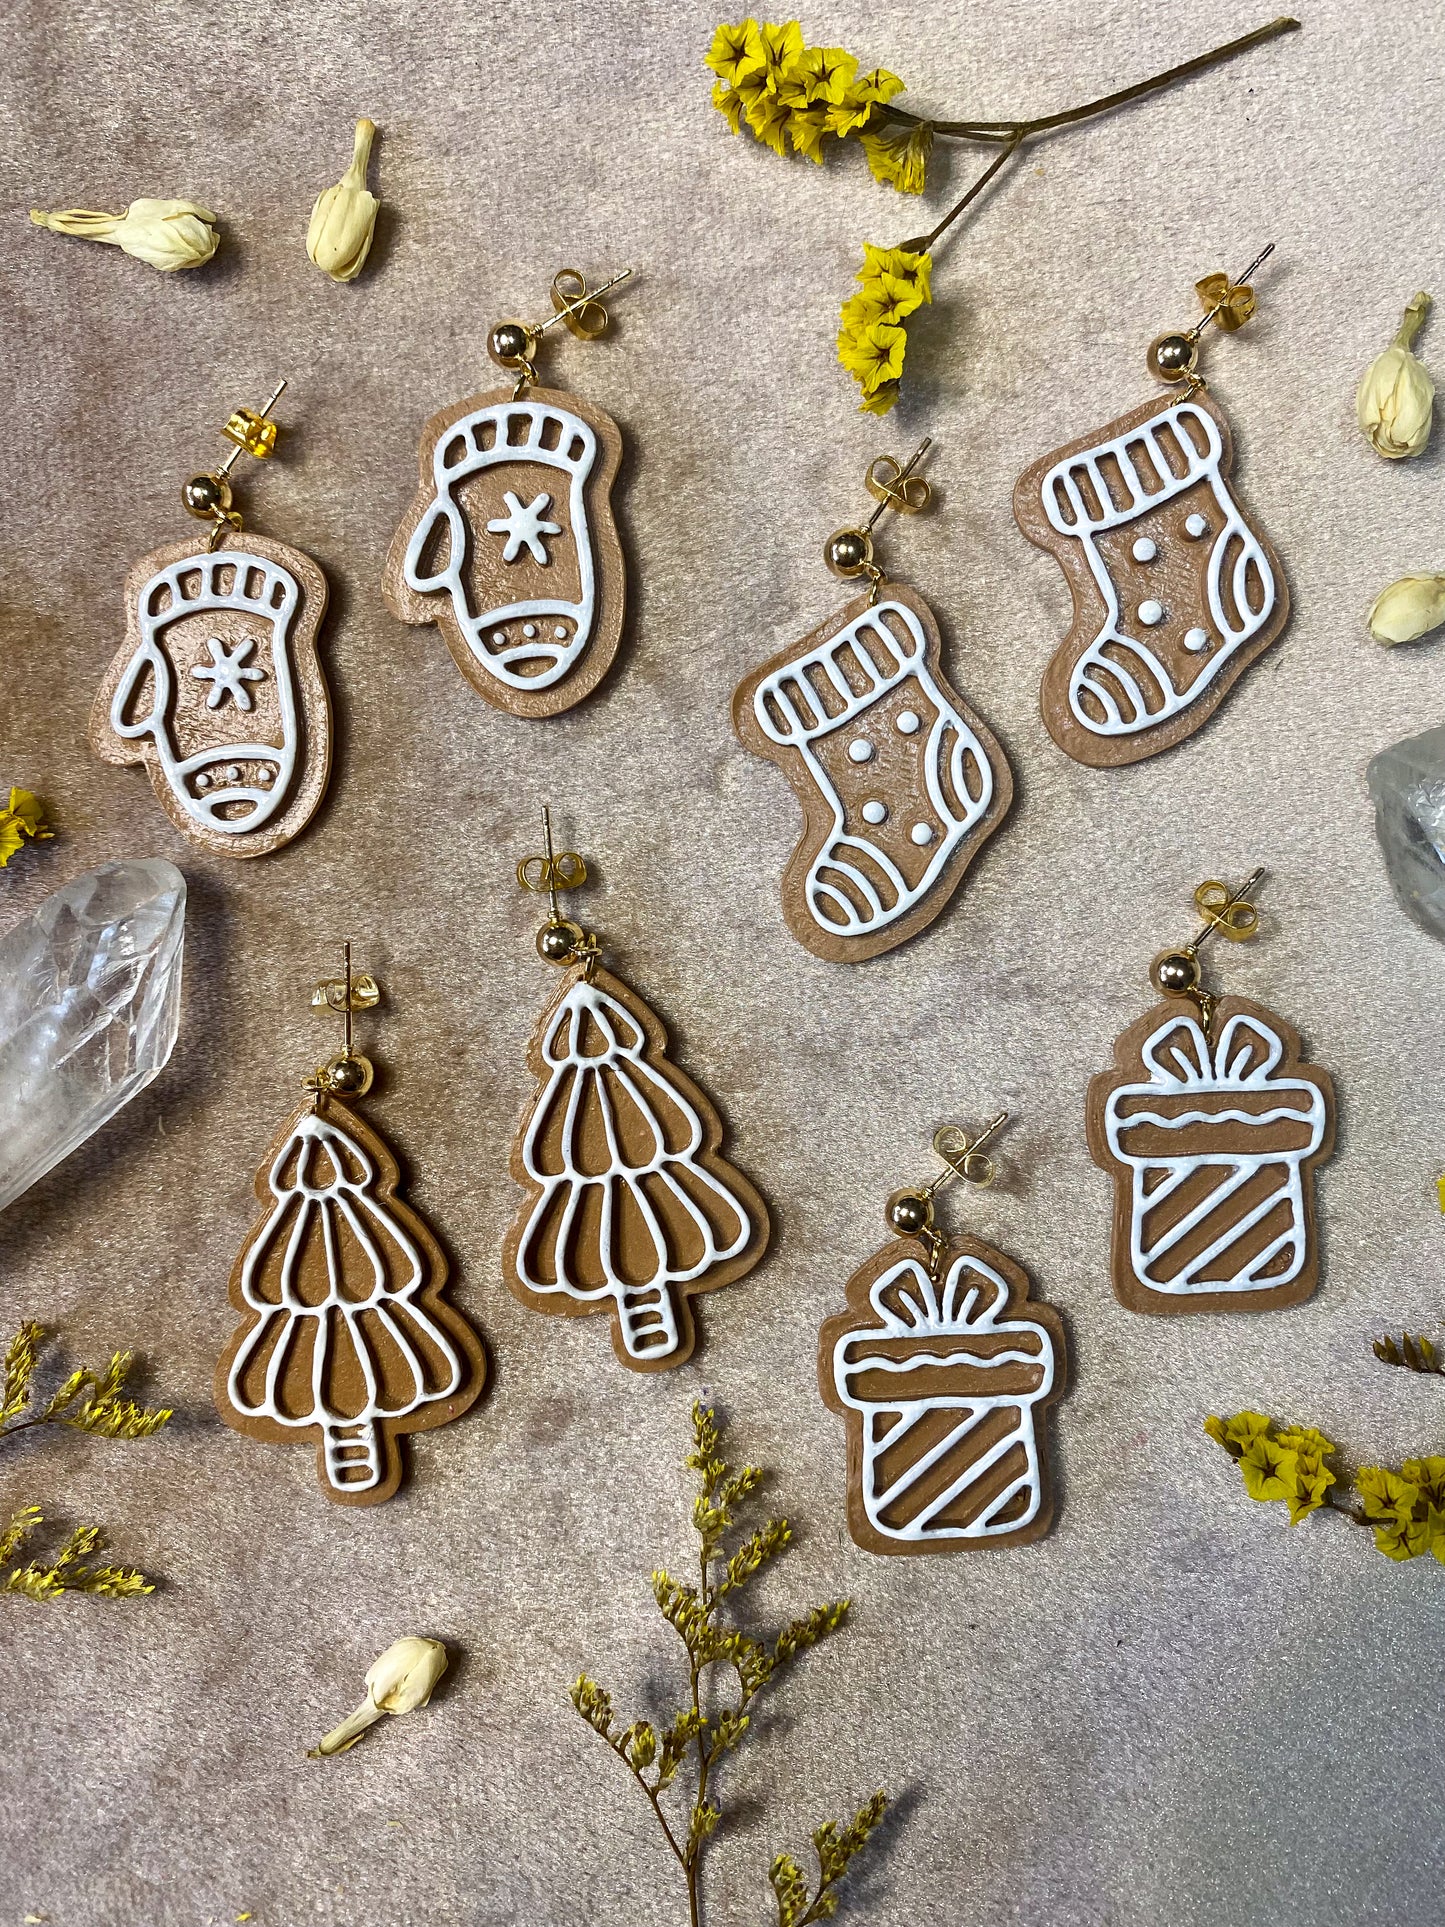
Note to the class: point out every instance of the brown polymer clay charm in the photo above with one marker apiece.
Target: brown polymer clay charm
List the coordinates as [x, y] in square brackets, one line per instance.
[511, 548]
[1212, 1140]
[901, 783]
[218, 691]
[631, 1208]
[346, 1341]
[944, 1375]
[1175, 590]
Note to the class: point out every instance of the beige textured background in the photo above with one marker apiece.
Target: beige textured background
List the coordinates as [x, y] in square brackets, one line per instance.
[1170, 1710]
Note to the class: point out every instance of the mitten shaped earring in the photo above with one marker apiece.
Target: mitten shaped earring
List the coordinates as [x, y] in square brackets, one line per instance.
[943, 1368]
[1212, 1127]
[510, 545]
[1175, 590]
[217, 688]
[631, 1208]
[901, 783]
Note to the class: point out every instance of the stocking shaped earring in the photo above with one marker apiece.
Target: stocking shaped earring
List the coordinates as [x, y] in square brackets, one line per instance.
[631, 1208]
[1175, 590]
[346, 1340]
[217, 688]
[944, 1370]
[901, 783]
[510, 545]
[1212, 1127]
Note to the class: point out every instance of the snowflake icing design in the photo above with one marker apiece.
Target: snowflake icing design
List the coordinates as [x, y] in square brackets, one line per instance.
[525, 528]
[226, 674]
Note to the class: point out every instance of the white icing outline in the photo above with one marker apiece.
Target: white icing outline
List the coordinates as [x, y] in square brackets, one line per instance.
[574, 455]
[277, 603]
[960, 1309]
[352, 1444]
[789, 690]
[1179, 1058]
[1148, 688]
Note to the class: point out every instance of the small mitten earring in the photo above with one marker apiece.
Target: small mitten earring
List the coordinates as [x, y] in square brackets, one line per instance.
[1175, 590]
[943, 1368]
[510, 545]
[217, 688]
[1212, 1127]
[901, 782]
[345, 1337]
[631, 1208]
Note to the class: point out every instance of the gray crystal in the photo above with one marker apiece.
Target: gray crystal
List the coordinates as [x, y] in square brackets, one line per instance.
[90, 992]
[1407, 782]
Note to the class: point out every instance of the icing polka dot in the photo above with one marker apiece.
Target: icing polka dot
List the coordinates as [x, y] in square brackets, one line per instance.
[922, 833]
[203, 782]
[906, 722]
[560, 632]
[860, 750]
[233, 775]
[1197, 640]
[1196, 525]
[875, 812]
[529, 629]
[1145, 550]
[499, 636]
[1151, 613]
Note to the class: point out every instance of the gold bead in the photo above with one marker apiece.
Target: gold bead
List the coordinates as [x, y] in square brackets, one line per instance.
[908, 1213]
[557, 942]
[1173, 357]
[848, 552]
[349, 1075]
[511, 343]
[206, 496]
[1176, 973]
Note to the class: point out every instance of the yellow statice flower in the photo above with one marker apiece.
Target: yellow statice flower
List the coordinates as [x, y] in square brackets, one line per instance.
[872, 340]
[898, 156]
[794, 97]
[1406, 1508]
[22, 817]
[1277, 1461]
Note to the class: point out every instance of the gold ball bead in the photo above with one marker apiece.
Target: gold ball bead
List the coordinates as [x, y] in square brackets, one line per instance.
[1176, 973]
[556, 943]
[348, 1075]
[1173, 357]
[908, 1213]
[848, 552]
[511, 343]
[206, 496]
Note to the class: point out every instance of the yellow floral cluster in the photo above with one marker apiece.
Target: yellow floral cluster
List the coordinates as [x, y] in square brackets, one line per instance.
[872, 341]
[794, 98]
[1406, 1508]
[1278, 1462]
[23, 816]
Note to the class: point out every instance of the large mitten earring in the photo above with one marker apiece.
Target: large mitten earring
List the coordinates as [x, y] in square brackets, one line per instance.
[345, 1340]
[1212, 1126]
[901, 783]
[510, 545]
[1175, 590]
[631, 1207]
[217, 688]
[944, 1369]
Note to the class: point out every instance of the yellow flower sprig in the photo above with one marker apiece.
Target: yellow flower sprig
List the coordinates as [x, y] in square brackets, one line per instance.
[22, 817]
[873, 339]
[64, 1571]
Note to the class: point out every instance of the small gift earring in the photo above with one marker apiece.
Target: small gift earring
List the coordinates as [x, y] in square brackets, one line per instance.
[1175, 590]
[631, 1208]
[901, 783]
[217, 688]
[1212, 1127]
[943, 1368]
[510, 545]
[346, 1338]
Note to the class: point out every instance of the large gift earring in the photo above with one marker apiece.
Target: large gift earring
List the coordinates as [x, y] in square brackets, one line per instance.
[510, 545]
[901, 782]
[943, 1367]
[217, 688]
[1212, 1127]
[1175, 590]
[631, 1207]
[345, 1337]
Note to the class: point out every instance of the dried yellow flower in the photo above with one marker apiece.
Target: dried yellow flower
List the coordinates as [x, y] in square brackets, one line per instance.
[168, 235]
[1408, 609]
[344, 217]
[399, 1681]
[1396, 400]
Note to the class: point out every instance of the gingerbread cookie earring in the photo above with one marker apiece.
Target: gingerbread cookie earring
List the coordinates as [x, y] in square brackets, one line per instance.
[1212, 1126]
[631, 1208]
[1176, 590]
[346, 1340]
[901, 782]
[944, 1368]
[217, 688]
[510, 545]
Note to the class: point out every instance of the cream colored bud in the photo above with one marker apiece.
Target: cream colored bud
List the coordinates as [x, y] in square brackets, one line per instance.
[1408, 609]
[168, 235]
[399, 1681]
[1396, 399]
[344, 217]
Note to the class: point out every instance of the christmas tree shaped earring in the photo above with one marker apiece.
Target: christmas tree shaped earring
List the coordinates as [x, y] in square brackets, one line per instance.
[346, 1340]
[631, 1208]
[510, 545]
[901, 783]
[1175, 590]
[217, 688]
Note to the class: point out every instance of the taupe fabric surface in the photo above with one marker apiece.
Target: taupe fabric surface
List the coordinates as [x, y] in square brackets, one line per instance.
[1172, 1709]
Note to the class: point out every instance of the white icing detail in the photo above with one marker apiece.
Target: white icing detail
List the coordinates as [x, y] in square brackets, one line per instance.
[965, 1306]
[529, 628]
[484, 441]
[319, 1197]
[499, 636]
[1118, 673]
[1179, 1060]
[790, 711]
[524, 528]
[1151, 613]
[1196, 640]
[560, 632]
[225, 673]
[203, 782]
[646, 1313]
[1144, 550]
[860, 752]
[1195, 526]
[922, 834]
[190, 587]
[875, 812]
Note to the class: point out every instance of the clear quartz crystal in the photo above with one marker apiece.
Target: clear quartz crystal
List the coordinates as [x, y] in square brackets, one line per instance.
[90, 989]
[1407, 782]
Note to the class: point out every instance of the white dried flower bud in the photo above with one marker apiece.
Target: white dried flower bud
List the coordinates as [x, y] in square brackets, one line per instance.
[1396, 400]
[1408, 609]
[168, 235]
[344, 217]
[399, 1681]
